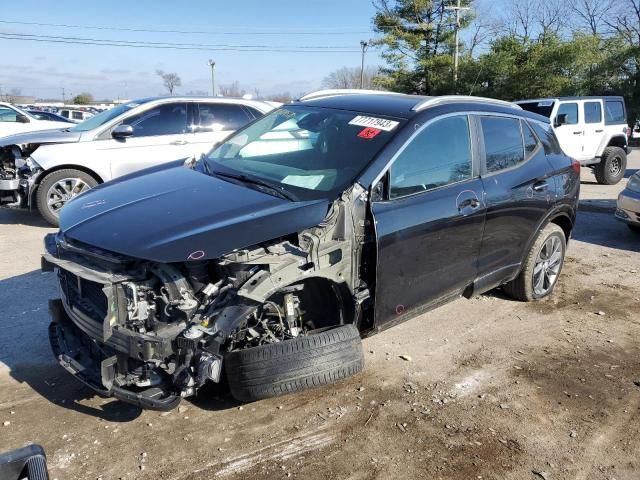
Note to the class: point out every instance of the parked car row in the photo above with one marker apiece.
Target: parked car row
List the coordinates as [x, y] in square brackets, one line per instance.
[47, 168]
[331, 218]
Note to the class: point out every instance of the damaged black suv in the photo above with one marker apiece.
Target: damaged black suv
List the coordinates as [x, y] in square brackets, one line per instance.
[328, 219]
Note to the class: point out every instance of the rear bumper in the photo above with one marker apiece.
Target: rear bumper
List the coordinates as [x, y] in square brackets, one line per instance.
[628, 207]
[92, 363]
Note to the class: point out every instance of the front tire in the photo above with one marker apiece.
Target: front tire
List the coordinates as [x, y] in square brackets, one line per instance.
[57, 188]
[294, 365]
[542, 266]
[612, 166]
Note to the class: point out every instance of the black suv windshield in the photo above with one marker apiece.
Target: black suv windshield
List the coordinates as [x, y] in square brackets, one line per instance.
[308, 151]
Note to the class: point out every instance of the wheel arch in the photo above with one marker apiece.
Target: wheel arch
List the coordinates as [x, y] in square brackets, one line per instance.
[617, 141]
[563, 216]
[66, 166]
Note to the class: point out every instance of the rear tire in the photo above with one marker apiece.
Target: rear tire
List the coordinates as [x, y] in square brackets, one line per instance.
[293, 365]
[612, 166]
[57, 188]
[524, 286]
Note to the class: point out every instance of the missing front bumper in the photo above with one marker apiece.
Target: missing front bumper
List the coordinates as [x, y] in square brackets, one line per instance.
[86, 360]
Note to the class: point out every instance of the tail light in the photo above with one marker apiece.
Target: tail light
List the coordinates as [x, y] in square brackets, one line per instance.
[575, 164]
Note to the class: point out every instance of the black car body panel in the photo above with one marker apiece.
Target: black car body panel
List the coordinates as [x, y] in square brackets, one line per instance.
[178, 214]
[169, 269]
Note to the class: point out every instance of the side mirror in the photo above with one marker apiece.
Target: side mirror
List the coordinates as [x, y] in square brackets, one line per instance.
[20, 118]
[561, 119]
[122, 131]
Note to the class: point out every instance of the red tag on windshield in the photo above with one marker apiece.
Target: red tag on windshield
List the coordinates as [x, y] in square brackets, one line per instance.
[368, 133]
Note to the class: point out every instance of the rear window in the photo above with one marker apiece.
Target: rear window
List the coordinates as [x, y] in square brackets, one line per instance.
[502, 142]
[614, 111]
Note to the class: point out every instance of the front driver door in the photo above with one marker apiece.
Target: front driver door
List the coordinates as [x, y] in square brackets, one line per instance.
[159, 136]
[429, 228]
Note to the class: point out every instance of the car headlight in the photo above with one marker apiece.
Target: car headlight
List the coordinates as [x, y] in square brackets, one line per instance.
[634, 183]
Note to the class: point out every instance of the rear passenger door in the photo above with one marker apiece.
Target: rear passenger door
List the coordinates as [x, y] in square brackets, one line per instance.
[429, 224]
[517, 182]
[593, 127]
[213, 122]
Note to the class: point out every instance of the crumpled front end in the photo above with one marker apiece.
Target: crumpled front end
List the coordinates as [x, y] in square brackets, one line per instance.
[152, 333]
[18, 175]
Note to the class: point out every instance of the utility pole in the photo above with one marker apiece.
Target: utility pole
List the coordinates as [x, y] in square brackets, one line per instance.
[457, 9]
[364, 46]
[212, 64]
[63, 100]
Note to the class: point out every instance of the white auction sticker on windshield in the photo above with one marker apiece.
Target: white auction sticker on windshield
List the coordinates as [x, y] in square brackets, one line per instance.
[374, 122]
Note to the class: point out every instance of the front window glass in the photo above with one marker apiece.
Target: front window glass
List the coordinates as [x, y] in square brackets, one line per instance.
[502, 142]
[307, 151]
[168, 119]
[437, 156]
[7, 115]
[570, 110]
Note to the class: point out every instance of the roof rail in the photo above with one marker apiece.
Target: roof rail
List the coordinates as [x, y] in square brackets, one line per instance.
[342, 91]
[433, 101]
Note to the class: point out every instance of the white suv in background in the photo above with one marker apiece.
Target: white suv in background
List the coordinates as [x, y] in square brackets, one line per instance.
[593, 130]
[46, 169]
[15, 120]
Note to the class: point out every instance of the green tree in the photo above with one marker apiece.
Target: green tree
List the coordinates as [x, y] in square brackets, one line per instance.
[83, 99]
[418, 41]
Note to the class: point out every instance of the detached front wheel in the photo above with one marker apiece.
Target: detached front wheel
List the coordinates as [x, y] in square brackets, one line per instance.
[296, 364]
[57, 188]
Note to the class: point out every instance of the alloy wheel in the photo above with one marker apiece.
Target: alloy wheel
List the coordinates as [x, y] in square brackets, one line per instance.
[64, 190]
[547, 266]
[615, 166]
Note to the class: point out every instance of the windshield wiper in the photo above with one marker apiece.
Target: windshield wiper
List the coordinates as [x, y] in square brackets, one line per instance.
[278, 191]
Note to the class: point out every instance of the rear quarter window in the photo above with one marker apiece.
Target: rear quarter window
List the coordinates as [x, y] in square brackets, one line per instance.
[614, 111]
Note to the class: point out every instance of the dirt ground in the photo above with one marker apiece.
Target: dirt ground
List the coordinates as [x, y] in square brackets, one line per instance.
[493, 389]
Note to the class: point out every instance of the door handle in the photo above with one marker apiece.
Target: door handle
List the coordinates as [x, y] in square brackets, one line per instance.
[179, 142]
[577, 133]
[599, 131]
[540, 186]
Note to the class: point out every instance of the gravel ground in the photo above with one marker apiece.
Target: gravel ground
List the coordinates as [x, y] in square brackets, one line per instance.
[492, 388]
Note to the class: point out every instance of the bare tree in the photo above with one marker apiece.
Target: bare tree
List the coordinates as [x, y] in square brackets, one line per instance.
[626, 21]
[525, 19]
[480, 34]
[169, 80]
[591, 14]
[350, 78]
[13, 94]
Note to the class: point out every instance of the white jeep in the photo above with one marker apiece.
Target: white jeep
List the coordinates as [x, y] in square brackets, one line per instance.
[593, 130]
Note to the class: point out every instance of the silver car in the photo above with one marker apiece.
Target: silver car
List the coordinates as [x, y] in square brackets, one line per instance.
[629, 203]
[46, 169]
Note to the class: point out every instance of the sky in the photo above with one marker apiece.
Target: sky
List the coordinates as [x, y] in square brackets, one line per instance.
[43, 69]
[325, 35]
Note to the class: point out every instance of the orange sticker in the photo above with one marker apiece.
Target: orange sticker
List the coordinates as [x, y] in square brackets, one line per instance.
[369, 133]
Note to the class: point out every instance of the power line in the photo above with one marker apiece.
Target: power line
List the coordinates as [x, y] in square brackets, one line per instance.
[328, 31]
[174, 46]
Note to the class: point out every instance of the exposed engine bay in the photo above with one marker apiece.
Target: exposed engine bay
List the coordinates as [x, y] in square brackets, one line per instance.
[17, 175]
[151, 333]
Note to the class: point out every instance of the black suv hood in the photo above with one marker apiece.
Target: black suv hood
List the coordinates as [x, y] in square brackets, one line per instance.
[178, 214]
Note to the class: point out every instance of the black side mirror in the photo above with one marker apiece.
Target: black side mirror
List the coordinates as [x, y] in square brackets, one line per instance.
[561, 119]
[28, 463]
[122, 131]
[20, 118]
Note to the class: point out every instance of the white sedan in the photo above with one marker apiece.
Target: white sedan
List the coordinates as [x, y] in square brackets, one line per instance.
[15, 120]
